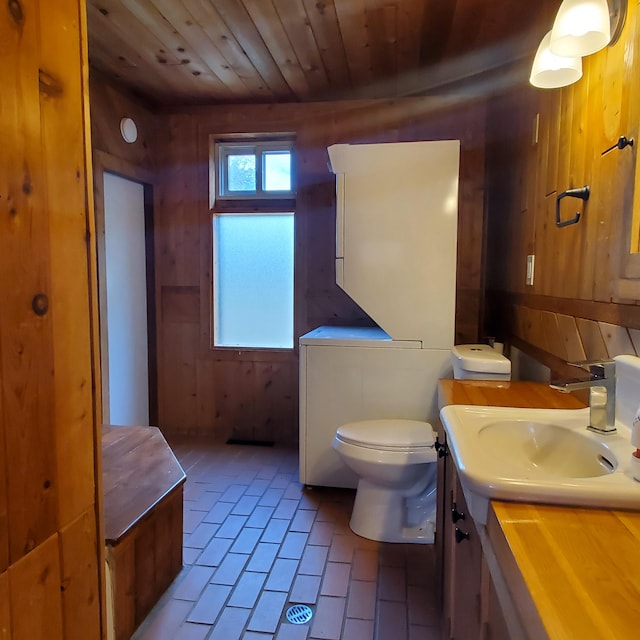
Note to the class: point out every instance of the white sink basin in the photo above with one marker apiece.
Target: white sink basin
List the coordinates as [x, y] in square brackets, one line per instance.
[538, 455]
[543, 449]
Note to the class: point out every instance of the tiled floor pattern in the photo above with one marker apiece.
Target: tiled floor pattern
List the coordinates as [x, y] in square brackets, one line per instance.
[256, 541]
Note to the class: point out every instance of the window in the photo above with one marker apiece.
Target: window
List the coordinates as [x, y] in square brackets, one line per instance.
[253, 240]
[256, 170]
[253, 280]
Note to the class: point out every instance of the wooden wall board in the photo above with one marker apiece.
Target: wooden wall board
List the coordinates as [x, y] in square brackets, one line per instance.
[206, 392]
[571, 337]
[60, 111]
[4, 507]
[108, 106]
[591, 336]
[35, 597]
[121, 560]
[180, 304]
[5, 608]
[80, 577]
[616, 339]
[577, 268]
[26, 351]
[47, 398]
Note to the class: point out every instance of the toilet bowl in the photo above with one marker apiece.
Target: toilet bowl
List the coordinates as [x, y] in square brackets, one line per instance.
[396, 464]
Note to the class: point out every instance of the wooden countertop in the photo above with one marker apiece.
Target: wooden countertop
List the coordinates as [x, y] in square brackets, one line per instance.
[138, 470]
[580, 567]
[573, 573]
[506, 394]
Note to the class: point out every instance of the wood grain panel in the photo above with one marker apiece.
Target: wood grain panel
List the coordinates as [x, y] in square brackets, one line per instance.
[35, 598]
[48, 402]
[253, 46]
[577, 267]
[591, 336]
[4, 507]
[616, 339]
[177, 405]
[180, 304]
[121, 560]
[27, 338]
[5, 609]
[556, 552]
[323, 21]
[145, 567]
[222, 393]
[118, 22]
[176, 220]
[268, 23]
[571, 336]
[297, 26]
[80, 577]
[353, 28]
[65, 188]
[234, 81]
[108, 106]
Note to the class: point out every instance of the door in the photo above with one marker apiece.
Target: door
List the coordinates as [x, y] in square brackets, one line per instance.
[124, 322]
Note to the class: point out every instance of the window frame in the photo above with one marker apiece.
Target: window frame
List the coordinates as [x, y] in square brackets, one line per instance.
[223, 149]
[248, 203]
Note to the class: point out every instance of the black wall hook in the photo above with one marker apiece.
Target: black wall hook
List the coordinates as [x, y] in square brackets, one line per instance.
[582, 193]
[623, 142]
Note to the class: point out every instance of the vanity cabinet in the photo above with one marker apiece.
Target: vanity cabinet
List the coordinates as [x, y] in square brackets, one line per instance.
[470, 607]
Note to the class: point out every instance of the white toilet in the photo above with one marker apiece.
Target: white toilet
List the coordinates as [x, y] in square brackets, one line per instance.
[479, 362]
[396, 461]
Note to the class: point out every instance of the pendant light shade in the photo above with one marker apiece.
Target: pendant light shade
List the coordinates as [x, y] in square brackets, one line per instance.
[581, 28]
[550, 71]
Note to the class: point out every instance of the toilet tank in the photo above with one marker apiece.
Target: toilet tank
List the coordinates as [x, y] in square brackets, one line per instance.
[479, 362]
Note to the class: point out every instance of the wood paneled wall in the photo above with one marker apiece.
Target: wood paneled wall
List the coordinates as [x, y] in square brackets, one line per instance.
[50, 549]
[251, 394]
[109, 104]
[578, 268]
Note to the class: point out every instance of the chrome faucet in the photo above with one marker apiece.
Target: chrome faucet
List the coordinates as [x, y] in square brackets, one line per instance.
[602, 393]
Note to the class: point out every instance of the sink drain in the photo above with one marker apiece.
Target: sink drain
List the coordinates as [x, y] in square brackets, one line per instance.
[299, 614]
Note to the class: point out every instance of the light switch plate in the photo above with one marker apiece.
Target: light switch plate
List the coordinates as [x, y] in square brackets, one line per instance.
[531, 261]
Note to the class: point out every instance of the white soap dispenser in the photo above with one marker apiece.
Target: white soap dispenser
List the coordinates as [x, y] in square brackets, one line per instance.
[635, 441]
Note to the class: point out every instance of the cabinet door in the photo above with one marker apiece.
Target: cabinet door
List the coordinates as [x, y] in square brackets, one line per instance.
[494, 625]
[466, 569]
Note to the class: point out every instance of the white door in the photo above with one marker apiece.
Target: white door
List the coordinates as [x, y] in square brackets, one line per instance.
[125, 364]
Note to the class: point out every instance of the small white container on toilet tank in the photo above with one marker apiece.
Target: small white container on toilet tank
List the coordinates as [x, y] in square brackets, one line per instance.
[479, 362]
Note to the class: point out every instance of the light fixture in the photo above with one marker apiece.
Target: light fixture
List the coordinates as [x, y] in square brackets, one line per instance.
[550, 71]
[581, 28]
[128, 130]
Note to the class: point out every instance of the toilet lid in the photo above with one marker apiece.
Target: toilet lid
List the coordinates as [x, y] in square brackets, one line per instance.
[388, 434]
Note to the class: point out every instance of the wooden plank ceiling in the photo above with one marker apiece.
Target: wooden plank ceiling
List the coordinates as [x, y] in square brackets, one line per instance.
[243, 51]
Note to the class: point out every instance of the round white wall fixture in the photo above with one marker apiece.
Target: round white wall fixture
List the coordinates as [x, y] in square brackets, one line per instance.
[129, 130]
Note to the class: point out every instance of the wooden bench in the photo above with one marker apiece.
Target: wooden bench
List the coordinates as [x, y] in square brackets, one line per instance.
[143, 494]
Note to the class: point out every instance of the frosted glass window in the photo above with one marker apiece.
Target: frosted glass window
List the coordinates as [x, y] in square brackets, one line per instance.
[241, 170]
[277, 171]
[253, 280]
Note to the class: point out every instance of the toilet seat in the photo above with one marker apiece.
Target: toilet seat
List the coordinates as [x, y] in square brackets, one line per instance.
[388, 435]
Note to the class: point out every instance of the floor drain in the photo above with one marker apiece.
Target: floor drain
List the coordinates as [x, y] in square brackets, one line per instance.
[299, 614]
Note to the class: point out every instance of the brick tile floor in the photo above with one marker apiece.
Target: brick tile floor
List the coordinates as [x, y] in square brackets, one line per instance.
[256, 541]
